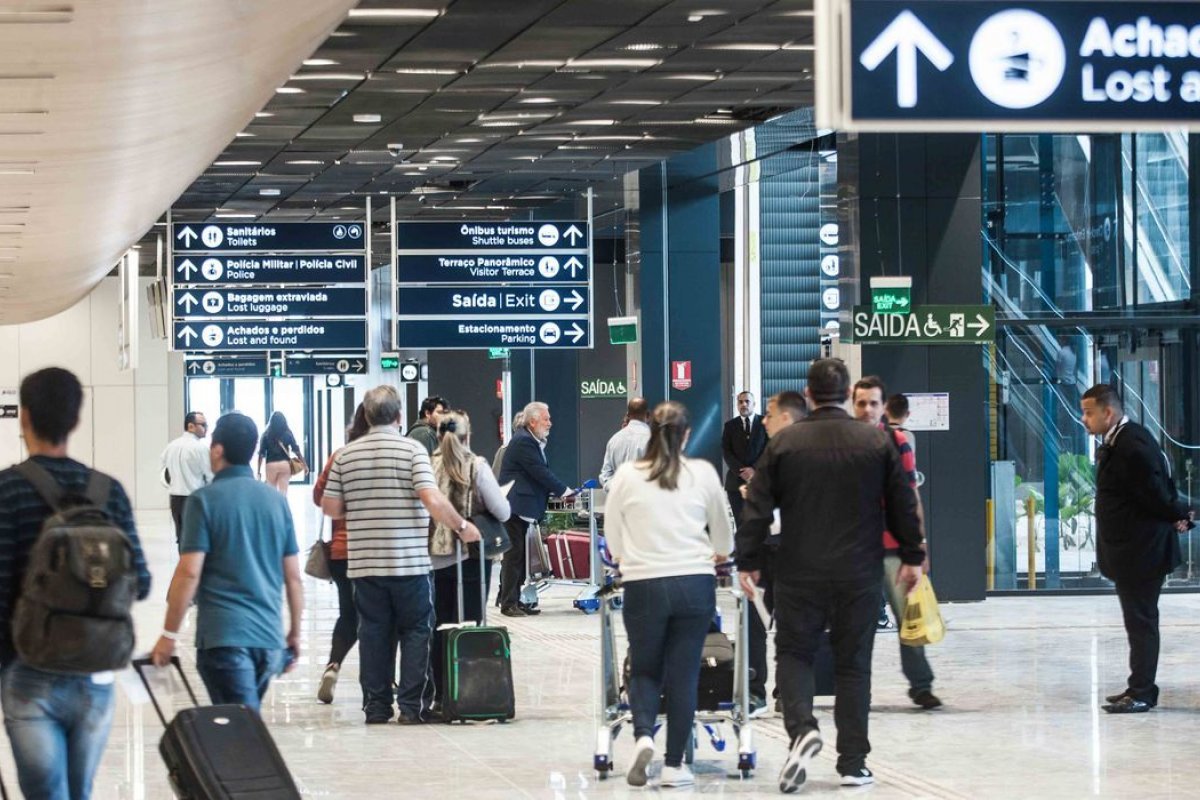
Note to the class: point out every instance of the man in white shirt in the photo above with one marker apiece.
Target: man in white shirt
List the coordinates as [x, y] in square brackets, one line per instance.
[186, 465]
[629, 443]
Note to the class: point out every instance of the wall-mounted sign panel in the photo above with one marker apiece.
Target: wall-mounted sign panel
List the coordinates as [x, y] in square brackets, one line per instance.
[340, 364]
[928, 411]
[514, 267]
[259, 303]
[481, 334]
[988, 65]
[964, 324]
[268, 237]
[249, 366]
[603, 388]
[509, 302]
[259, 269]
[437, 237]
[307, 334]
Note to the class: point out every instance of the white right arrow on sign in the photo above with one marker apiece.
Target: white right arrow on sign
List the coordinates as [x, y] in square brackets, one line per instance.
[982, 325]
[906, 35]
[576, 332]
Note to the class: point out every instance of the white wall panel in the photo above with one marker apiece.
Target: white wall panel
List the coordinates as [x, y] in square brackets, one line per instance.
[114, 426]
[105, 303]
[153, 419]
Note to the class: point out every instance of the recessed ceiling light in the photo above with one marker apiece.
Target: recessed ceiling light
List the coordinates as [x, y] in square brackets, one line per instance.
[691, 76]
[368, 119]
[537, 101]
[327, 76]
[426, 71]
[716, 121]
[699, 16]
[289, 90]
[469, 140]
[445, 159]
[643, 47]
[306, 162]
[320, 62]
[237, 164]
[614, 63]
[531, 63]
[231, 215]
[244, 135]
[261, 114]
[744, 46]
[269, 192]
[636, 102]
[394, 13]
[808, 47]
[593, 122]
[798, 14]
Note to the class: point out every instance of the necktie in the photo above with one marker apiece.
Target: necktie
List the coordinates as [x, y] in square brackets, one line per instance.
[746, 424]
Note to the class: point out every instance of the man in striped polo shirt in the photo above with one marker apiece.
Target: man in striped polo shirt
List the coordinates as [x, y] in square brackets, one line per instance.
[383, 485]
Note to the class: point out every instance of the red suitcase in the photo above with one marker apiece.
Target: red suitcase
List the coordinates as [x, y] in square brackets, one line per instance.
[570, 555]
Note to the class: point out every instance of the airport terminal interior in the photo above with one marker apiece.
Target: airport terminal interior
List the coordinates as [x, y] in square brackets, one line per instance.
[275, 206]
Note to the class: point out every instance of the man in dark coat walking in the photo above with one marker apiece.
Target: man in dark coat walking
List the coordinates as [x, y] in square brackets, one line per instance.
[1138, 517]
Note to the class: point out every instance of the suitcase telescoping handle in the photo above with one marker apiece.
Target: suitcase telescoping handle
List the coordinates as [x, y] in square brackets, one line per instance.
[458, 570]
[140, 665]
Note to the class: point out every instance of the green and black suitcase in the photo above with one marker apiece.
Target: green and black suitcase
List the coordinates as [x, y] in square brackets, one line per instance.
[477, 682]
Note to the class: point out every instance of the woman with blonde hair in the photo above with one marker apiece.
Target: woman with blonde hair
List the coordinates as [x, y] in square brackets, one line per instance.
[667, 524]
[467, 480]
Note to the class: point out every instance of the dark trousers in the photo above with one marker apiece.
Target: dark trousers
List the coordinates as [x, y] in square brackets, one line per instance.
[345, 630]
[735, 503]
[850, 610]
[394, 610]
[512, 569]
[758, 637]
[666, 620]
[445, 604]
[178, 501]
[1139, 605]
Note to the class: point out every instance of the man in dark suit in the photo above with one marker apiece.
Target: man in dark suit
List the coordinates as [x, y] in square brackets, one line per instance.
[1138, 516]
[742, 442]
[533, 484]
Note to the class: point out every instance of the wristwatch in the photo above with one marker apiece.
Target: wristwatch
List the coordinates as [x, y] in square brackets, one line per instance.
[462, 527]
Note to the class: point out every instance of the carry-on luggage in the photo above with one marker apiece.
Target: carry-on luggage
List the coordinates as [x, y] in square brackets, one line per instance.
[570, 555]
[477, 681]
[715, 687]
[219, 752]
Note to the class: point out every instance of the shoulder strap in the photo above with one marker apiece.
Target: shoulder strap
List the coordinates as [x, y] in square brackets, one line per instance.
[99, 488]
[471, 489]
[43, 482]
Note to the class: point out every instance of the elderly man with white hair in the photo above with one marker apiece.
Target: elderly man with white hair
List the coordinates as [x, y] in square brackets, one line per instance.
[533, 484]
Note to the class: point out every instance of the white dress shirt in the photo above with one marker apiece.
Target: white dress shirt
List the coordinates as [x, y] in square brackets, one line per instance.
[186, 461]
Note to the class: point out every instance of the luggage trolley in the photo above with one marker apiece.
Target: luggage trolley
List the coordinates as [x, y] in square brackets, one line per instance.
[614, 711]
[589, 576]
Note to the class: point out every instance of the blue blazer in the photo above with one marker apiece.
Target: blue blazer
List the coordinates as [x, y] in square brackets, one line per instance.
[533, 482]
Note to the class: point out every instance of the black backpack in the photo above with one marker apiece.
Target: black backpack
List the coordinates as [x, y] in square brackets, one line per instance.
[73, 613]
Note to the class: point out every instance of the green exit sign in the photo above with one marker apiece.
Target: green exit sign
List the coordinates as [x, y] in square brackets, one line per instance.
[622, 330]
[498, 353]
[598, 388]
[891, 295]
[389, 362]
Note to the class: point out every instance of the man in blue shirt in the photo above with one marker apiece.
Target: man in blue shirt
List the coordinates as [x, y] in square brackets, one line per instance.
[57, 723]
[237, 554]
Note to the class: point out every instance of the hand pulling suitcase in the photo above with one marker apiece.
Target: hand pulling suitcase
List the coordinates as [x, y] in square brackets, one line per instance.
[570, 555]
[219, 752]
[477, 680]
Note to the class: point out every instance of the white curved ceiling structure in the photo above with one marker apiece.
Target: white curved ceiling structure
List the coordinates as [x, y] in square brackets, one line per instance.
[108, 111]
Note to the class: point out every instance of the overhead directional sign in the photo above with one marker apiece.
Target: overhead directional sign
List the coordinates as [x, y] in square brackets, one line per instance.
[226, 366]
[340, 364]
[269, 237]
[976, 65]
[511, 303]
[301, 334]
[966, 324]
[484, 334]
[258, 269]
[464, 285]
[258, 303]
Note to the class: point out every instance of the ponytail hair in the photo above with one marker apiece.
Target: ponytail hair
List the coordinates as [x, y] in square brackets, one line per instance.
[454, 447]
[669, 427]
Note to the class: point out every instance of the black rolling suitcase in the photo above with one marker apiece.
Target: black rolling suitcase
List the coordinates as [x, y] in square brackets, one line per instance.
[477, 682]
[219, 752]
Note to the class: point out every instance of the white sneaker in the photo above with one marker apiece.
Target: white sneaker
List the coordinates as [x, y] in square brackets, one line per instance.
[860, 777]
[328, 682]
[676, 777]
[795, 769]
[643, 752]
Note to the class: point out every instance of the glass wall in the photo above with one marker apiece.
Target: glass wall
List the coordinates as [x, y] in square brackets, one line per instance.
[1088, 262]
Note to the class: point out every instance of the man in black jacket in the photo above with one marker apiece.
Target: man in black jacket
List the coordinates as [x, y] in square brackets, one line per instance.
[742, 443]
[838, 484]
[533, 484]
[1138, 515]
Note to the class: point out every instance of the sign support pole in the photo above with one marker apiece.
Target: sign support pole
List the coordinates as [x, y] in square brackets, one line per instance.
[506, 409]
[591, 196]
[395, 267]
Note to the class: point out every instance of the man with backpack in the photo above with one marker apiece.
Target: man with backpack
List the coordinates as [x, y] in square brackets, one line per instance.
[56, 680]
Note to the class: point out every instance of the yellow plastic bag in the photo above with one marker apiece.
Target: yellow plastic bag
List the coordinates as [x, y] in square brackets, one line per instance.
[922, 623]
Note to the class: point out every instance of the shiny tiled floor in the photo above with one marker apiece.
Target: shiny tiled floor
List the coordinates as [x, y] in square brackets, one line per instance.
[1021, 678]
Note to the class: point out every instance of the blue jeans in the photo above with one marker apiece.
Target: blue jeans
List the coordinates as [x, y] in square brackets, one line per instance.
[58, 725]
[666, 620]
[394, 610]
[238, 674]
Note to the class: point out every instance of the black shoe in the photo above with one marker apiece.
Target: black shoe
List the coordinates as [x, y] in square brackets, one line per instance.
[530, 611]
[795, 768]
[1116, 698]
[927, 700]
[1128, 705]
[513, 611]
[859, 777]
[405, 719]
[379, 719]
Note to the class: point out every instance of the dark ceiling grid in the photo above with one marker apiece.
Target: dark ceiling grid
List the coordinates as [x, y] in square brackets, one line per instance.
[496, 55]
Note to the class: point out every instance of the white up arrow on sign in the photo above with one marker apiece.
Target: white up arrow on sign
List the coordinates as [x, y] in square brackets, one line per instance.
[187, 334]
[574, 265]
[187, 268]
[187, 235]
[906, 35]
[573, 233]
[188, 301]
[981, 324]
[576, 332]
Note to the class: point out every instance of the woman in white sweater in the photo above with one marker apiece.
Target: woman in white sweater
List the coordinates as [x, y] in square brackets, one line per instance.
[667, 523]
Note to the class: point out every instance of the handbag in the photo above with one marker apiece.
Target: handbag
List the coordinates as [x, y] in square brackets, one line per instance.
[317, 564]
[295, 464]
[492, 533]
[922, 623]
